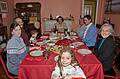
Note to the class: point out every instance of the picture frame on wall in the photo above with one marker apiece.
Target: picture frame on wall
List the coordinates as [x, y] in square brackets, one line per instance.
[3, 7]
[87, 9]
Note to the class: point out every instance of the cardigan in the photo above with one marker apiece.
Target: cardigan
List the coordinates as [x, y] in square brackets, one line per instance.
[106, 52]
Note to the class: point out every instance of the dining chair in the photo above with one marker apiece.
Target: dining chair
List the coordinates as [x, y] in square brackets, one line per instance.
[3, 60]
[115, 68]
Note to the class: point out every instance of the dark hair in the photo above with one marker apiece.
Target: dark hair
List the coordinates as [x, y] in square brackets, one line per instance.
[14, 19]
[13, 26]
[88, 17]
[33, 31]
[61, 18]
[74, 62]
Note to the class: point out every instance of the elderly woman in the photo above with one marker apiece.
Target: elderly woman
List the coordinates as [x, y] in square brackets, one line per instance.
[105, 48]
[60, 26]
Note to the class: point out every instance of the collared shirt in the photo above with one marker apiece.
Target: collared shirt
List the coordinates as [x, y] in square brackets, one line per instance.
[101, 43]
[87, 27]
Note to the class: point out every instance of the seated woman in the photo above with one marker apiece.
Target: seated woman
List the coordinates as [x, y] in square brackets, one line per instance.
[60, 26]
[38, 28]
[105, 49]
[16, 49]
[67, 66]
[25, 33]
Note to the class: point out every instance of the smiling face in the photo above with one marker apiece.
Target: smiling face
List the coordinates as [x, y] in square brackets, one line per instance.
[34, 35]
[60, 20]
[19, 21]
[66, 59]
[17, 31]
[86, 21]
[105, 32]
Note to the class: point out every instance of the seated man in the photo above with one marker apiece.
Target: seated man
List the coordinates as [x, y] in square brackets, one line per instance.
[87, 32]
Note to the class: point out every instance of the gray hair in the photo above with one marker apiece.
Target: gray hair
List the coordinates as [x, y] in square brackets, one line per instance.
[110, 28]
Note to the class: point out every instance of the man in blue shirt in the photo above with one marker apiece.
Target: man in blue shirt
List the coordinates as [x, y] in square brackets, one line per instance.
[88, 32]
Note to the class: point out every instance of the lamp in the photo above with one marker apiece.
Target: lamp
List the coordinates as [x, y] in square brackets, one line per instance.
[29, 5]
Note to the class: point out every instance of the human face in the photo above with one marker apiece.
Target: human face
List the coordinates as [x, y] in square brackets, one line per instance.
[66, 59]
[34, 35]
[60, 20]
[86, 21]
[17, 31]
[19, 21]
[105, 32]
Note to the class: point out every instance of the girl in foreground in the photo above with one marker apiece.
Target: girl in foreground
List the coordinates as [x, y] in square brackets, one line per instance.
[67, 66]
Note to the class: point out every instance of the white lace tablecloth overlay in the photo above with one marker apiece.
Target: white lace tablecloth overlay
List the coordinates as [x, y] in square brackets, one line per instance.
[49, 24]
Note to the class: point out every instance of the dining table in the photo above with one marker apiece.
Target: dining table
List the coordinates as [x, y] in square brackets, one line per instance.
[39, 67]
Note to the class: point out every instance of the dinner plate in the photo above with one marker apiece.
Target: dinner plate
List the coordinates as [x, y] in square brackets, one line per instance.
[36, 53]
[44, 37]
[84, 51]
[77, 44]
[50, 42]
[40, 43]
[74, 37]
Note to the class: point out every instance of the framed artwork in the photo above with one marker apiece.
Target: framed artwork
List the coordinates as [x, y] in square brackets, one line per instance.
[112, 7]
[3, 6]
[87, 9]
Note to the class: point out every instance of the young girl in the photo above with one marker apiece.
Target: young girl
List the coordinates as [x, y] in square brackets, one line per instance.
[67, 66]
[33, 38]
[16, 49]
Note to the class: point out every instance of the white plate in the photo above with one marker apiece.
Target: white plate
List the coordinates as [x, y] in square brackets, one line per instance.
[74, 36]
[36, 53]
[77, 44]
[40, 43]
[51, 44]
[84, 51]
[44, 37]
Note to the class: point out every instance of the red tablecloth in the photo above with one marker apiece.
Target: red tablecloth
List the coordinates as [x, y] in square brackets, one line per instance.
[41, 68]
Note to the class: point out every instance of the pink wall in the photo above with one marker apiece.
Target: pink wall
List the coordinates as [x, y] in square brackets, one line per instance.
[7, 17]
[10, 14]
[115, 18]
[59, 7]
[63, 8]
